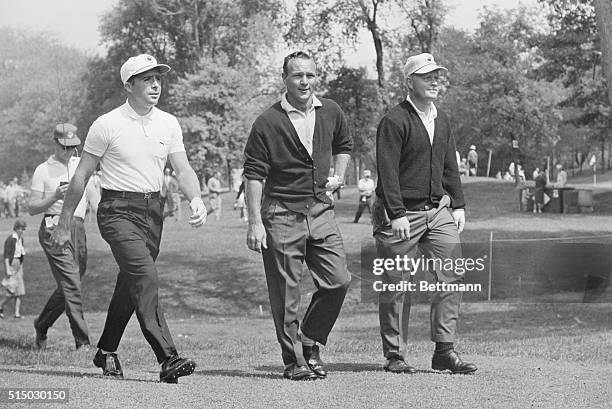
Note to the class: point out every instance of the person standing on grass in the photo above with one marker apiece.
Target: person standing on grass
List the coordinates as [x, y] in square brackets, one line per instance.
[561, 176]
[214, 189]
[419, 202]
[68, 264]
[14, 253]
[472, 159]
[366, 190]
[538, 195]
[290, 147]
[132, 144]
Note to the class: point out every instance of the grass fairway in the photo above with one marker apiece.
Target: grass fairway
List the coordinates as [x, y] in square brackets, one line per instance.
[214, 292]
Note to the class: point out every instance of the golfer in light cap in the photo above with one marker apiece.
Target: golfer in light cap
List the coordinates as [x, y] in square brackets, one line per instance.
[419, 206]
[139, 64]
[132, 144]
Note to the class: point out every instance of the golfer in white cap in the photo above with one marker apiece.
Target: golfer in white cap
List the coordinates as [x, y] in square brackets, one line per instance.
[419, 205]
[132, 144]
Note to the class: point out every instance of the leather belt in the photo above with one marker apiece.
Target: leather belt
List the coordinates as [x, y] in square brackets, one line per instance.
[115, 194]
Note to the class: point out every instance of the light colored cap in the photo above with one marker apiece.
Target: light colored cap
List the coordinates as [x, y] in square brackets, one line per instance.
[65, 135]
[140, 63]
[367, 173]
[421, 64]
[472, 147]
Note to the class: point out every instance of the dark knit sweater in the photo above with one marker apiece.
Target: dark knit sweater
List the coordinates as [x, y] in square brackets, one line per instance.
[274, 152]
[9, 248]
[412, 172]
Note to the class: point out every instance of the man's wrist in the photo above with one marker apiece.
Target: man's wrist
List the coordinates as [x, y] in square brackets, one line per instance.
[196, 199]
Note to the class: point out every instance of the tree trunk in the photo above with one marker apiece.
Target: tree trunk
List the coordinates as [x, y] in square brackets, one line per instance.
[603, 11]
[372, 25]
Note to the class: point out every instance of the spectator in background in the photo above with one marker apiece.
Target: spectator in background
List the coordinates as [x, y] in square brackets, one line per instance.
[67, 264]
[214, 189]
[561, 176]
[13, 193]
[535, 173]
[3, 200]
[14, 253]
[366, 189]
[93, 193]
[463, 167]
[472, 158]
[240, 202]
[540, 185]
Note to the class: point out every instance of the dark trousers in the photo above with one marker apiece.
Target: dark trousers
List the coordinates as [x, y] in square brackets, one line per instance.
[132, 228]
[67, 266]
[364, 203]
[434, 233]
[292, 239]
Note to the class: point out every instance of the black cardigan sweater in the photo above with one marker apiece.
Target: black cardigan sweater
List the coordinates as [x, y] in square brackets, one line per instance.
[412, 172]
[275, 153]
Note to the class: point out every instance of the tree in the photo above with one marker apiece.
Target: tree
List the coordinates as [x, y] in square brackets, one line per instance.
[340, 21]
[179, 33]
[40, 87]
[571, 53]
[357, 96]
[491, 94]
[216, 107]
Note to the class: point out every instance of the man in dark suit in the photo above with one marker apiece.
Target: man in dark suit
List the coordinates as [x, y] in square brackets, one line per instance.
[419, 205]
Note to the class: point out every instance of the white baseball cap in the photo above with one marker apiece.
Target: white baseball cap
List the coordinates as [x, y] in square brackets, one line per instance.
[421, 64]
[140, 63]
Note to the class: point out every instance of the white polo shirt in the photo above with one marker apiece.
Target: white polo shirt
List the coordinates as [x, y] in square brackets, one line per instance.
[133, 149]
[303, 122]
[47, 178]
[427, 117]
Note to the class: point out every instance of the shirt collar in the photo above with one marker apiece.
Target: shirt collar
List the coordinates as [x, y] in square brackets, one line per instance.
[15, 236]
[431, 113]
[287, 107]
[129, 111]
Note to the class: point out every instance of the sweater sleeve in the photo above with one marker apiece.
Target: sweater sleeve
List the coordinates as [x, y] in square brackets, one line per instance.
[451, 181]
[389, 141]
[257, 156]
[343, 142]
[9, 248]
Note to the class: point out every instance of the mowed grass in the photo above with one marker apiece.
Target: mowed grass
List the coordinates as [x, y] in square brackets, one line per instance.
[214, 293]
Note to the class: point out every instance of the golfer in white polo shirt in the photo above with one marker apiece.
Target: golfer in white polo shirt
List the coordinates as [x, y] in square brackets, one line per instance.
[132, 143]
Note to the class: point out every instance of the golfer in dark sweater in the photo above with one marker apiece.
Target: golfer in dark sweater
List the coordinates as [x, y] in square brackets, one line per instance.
[291, 146]
[419, 206]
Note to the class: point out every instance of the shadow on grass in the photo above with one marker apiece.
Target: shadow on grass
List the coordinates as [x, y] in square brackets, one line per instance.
[335, 367]
[238, 373]
[73, 374]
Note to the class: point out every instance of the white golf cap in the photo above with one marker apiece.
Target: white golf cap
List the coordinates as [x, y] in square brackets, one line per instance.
[421, 64]
[140, 63]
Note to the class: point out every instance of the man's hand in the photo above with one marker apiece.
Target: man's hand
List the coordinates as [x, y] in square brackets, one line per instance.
[198, 212]
[333, 183]
[459, 217]
[60, 237]
[401, 228]
[60, 192]
[256, 237]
